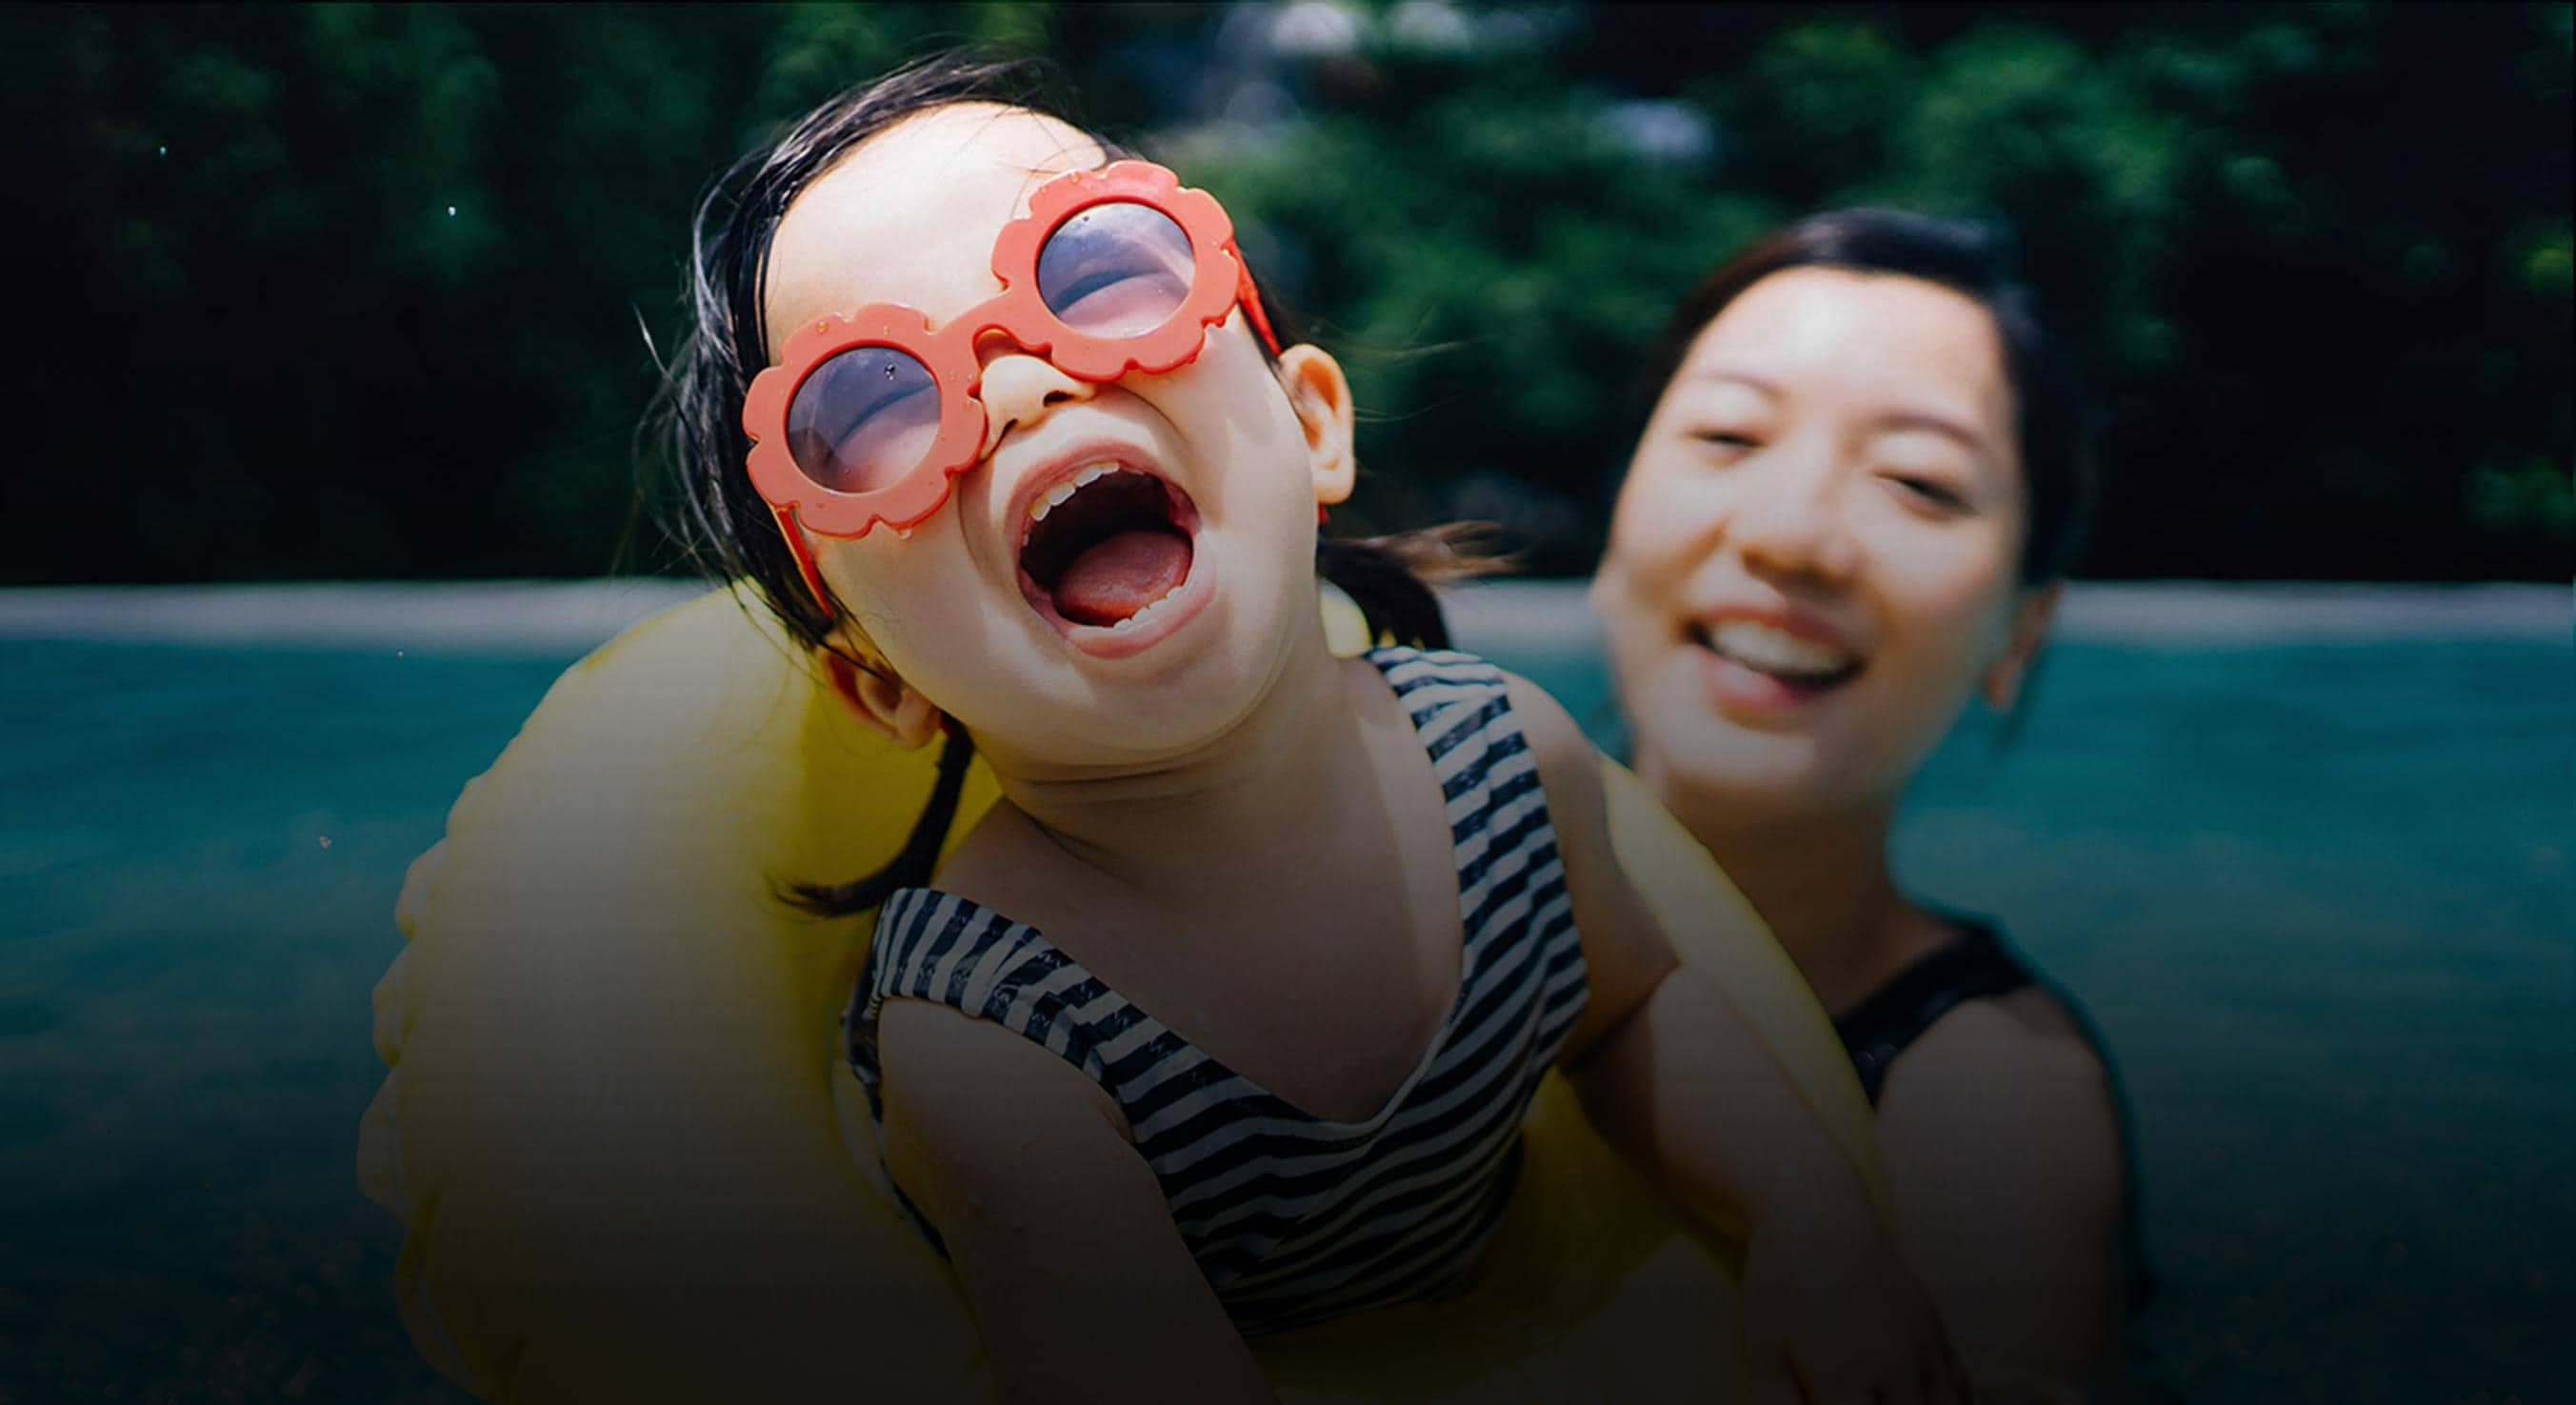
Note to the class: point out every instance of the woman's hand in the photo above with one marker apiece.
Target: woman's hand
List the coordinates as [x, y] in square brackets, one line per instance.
[1831, 1315]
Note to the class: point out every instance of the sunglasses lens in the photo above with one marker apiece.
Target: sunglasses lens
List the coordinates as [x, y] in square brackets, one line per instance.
[1115, 270]
[863, 419]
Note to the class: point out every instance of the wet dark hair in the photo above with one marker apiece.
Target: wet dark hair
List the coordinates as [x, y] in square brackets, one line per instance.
[719, 520]
[2053, 427]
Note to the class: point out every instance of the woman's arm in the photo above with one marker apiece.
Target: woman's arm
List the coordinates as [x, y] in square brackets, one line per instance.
[1661, 1054]
[2004, 1159]
[1674, 1078]
[1079, 1280]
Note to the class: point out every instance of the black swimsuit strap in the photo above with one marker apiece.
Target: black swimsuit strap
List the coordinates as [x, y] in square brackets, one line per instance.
[1975, 967]
[1880, 1027]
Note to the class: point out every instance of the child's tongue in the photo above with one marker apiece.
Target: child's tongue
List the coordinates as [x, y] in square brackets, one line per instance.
[1122, 574]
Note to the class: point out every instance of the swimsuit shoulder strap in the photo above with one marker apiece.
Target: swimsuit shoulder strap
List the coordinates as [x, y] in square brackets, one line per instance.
[1461, 709]
[953, 951]
[1514, 909]
[1975, 967]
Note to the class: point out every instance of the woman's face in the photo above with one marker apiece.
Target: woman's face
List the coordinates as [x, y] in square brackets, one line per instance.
[1813, 562]
[1197, 487]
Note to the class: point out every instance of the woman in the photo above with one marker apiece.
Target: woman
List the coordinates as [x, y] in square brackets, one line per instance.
[1848, 517]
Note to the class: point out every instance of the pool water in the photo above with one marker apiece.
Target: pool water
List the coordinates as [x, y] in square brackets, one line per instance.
[2318, 896]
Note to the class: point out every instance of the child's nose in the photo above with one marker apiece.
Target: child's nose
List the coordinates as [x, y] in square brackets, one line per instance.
[1021, 389]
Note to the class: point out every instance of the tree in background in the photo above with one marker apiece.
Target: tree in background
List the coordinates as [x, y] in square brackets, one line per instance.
[365, 291]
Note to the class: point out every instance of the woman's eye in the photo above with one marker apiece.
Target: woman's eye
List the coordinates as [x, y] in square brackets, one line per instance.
[1731, 441]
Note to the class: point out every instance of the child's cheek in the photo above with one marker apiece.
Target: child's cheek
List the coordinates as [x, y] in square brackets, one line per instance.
[894, 587]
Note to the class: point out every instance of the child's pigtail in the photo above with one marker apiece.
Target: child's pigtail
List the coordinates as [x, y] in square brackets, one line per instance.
[1390, 577]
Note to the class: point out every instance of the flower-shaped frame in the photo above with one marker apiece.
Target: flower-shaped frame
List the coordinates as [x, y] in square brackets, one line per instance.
[1218, 283]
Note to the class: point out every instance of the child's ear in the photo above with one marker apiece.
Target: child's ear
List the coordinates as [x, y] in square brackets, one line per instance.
[879, 697]
[2031, 614]
[1321, 396]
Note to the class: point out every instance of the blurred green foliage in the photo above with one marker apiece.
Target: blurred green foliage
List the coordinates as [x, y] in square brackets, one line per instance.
[365, 291]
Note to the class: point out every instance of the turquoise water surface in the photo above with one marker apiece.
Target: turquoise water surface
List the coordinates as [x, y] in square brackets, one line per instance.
[2317, 894]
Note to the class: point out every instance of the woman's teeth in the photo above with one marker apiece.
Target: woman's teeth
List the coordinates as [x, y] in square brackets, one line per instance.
[1776, 651]
[1054, 497]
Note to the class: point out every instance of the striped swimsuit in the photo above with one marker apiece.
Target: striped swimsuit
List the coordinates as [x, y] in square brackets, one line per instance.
[1293, 1218]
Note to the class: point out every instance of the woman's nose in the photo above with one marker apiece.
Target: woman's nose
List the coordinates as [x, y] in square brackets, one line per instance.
[1788, 523]
[1021, 390]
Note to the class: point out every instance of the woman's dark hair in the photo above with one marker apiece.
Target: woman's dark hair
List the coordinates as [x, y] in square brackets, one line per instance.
[2052, 424]
[719, 520]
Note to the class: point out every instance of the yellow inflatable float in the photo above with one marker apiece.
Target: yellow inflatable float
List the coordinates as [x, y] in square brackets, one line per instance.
[628, 1154]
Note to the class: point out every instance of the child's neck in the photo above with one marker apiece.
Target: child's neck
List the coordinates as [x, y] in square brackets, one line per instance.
[1211, 821]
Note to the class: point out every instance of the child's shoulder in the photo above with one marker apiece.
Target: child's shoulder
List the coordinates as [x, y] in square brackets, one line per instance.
[1410, 667]
[1566, 758]
[1550, 728]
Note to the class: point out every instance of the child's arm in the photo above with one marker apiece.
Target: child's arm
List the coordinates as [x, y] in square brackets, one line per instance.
[1080, 1282]
[1672, 1076]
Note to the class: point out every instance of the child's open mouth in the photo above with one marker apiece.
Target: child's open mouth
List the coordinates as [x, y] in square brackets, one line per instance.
[1108, 547]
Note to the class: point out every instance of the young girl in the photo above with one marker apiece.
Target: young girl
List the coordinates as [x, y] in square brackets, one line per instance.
[1224, 1020]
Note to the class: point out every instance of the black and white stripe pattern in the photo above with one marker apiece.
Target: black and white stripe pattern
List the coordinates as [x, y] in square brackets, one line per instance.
[1293, 1218]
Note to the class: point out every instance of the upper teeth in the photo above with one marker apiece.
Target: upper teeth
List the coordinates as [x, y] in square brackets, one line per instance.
[1047, 501]
[1776, 650]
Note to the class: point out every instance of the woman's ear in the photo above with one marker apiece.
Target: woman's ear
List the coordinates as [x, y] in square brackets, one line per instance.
[1321, 396]
[879, 697]
[2031, 614]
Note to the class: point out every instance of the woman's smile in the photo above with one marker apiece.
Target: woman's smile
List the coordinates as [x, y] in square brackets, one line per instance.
[1822, 628]
[1759, 672]
[1765, 661]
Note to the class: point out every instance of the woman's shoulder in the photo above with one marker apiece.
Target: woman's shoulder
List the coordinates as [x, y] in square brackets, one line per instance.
[2007, 1163]
[1976, 1030]
[2018, 1049]
[1974, 1060]
[2009, 1090]
[2008, 1155]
